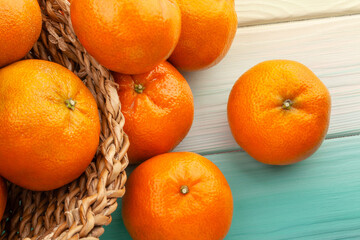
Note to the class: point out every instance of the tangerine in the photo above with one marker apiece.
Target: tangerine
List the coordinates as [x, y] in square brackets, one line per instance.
[279, 112]
[49, 122]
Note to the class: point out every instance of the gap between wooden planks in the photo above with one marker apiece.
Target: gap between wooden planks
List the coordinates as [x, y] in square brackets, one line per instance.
[255, 12]
[329, 46]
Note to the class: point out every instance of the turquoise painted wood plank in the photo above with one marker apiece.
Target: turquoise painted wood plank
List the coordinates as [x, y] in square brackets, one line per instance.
[330, 47]
[317, 199]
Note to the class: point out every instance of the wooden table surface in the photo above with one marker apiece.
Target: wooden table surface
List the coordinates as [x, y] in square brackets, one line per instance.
[318, 198]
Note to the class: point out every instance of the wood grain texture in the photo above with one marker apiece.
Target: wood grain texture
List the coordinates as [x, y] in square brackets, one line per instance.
[255, 12]
[316, 199]
[330, 47]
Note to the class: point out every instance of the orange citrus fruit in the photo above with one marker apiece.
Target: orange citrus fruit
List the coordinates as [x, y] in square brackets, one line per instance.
[279, 112]
[50, 125]
[20, 24]
[158, 108]
[177, 196]
[208, 28]
[128, 36]
[3, 197]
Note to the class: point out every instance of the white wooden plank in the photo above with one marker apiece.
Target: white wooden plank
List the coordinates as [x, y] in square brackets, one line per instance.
[255, 12]
[330, 47]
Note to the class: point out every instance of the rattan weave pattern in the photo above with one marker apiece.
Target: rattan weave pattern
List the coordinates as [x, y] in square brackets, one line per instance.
[80, 209]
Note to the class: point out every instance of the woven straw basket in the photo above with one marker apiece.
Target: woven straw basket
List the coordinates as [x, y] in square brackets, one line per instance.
[80, 209]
